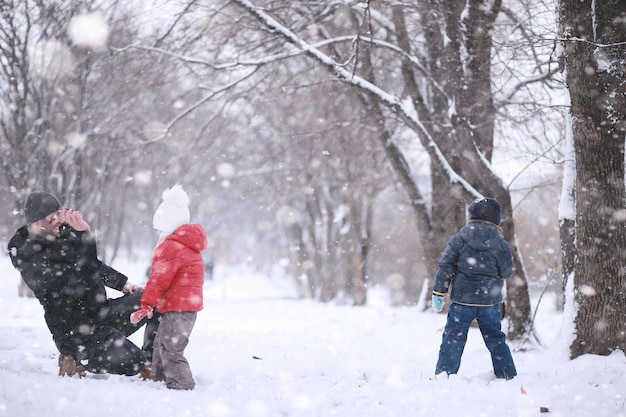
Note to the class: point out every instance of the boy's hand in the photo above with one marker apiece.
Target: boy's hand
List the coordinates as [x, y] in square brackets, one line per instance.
[437, 303]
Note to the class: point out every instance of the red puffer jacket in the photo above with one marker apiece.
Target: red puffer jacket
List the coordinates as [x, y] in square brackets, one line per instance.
[177, 271]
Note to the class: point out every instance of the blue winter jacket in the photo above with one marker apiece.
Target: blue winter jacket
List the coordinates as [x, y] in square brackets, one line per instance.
[476, 262]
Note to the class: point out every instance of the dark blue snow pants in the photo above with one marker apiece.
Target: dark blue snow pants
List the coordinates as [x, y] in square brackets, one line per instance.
[455, 335]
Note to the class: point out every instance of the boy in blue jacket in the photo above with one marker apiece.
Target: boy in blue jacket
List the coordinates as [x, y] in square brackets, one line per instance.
[475, 263]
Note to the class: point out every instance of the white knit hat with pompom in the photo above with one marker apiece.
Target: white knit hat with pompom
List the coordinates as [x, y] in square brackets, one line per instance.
[173, 211]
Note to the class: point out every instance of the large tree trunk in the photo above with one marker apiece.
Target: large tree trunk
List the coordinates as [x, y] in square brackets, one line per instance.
[596, 80]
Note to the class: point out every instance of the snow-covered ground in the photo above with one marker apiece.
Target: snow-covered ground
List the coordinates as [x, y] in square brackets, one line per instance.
[256, 351]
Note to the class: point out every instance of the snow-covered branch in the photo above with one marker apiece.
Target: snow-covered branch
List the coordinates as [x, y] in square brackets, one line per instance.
[402, 108]
[597, 45]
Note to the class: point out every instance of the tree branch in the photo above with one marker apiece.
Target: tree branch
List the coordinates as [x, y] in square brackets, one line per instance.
[403, 108]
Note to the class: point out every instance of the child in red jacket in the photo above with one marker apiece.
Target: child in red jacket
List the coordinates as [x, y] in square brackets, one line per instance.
[174, 288]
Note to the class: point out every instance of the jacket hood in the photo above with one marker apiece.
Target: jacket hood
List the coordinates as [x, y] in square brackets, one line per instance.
[190, 235]
[481, 235]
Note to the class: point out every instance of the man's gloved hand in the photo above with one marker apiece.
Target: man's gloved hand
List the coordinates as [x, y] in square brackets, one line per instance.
[437, 303]
[144, 311]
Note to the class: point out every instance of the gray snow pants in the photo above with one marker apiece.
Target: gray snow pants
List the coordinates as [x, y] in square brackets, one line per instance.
[168, 360]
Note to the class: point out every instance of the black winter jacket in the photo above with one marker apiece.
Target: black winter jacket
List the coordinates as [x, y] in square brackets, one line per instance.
[67, 278]
[476, 262]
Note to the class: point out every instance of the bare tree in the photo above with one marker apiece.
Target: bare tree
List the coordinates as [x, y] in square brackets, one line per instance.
[75, 117]
[259, 121]
[437, 86]
[459, 141]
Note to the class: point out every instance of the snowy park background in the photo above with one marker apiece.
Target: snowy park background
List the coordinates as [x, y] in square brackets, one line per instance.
[258, 351]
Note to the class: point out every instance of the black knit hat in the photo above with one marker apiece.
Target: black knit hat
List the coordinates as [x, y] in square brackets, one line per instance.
[487, 209]
[39, 204]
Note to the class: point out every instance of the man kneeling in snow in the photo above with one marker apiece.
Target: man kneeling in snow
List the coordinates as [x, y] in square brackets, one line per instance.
[57, 257]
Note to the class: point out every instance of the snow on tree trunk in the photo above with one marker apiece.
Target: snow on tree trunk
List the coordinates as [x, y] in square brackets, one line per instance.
[567, 209]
